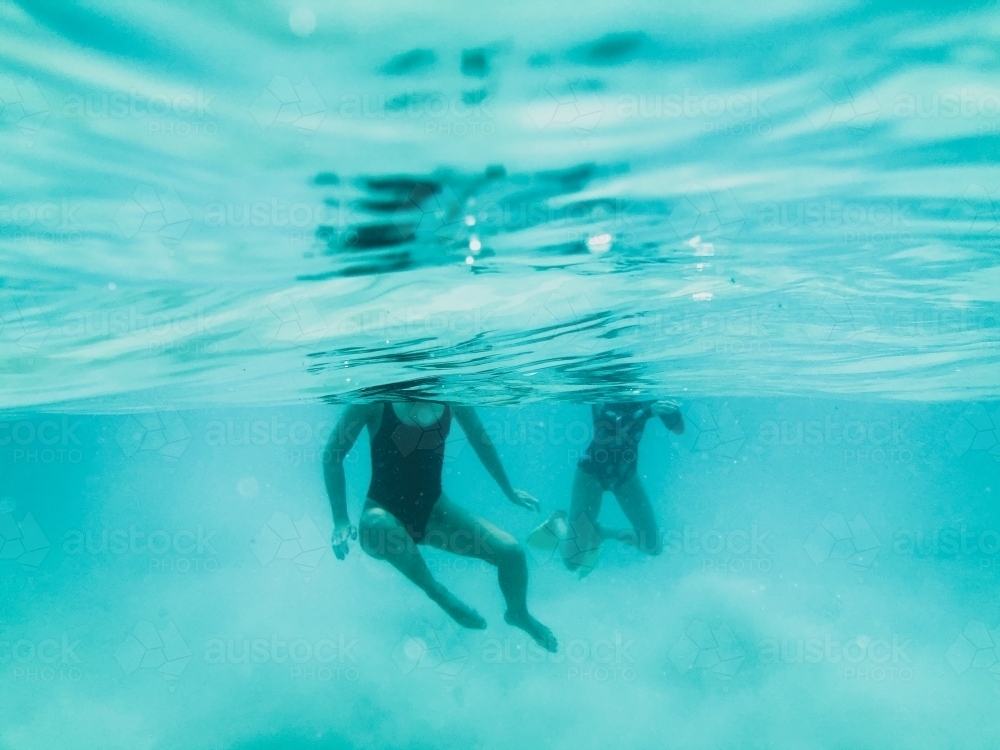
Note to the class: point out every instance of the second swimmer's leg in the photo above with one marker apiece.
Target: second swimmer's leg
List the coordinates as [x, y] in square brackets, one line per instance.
[583, 533]
[385, 538]
[454, 529]
[638, 510]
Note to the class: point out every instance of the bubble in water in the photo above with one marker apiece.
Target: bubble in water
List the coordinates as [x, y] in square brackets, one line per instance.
[302, 20]
[7, 505]
[248, 487]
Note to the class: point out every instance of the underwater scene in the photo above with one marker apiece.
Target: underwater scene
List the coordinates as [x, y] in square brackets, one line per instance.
[537, 375]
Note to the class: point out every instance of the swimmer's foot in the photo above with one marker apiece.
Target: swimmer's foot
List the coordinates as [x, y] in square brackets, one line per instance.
[460, 612]
[550, 532]
[539, 633]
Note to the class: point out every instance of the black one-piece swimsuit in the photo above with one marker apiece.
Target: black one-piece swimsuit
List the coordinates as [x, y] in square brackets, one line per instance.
[406, 468]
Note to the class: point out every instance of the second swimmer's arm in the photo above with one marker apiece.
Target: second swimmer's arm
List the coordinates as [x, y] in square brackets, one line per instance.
[487, 453]
[669, 413]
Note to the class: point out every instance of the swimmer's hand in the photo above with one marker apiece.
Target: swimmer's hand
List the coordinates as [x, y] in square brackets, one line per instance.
[669, 413]
[525, 500]
[342, 531]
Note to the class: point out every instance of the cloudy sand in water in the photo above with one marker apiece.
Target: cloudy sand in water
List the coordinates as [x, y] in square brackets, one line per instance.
[224, 227]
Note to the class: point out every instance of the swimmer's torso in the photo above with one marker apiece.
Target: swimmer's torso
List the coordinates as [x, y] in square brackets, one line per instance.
[612, 454]
[407, 461]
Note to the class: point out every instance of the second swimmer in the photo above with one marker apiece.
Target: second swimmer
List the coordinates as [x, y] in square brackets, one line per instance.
[609, 465]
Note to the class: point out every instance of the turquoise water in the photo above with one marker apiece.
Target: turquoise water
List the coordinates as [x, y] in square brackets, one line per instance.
[219, 224]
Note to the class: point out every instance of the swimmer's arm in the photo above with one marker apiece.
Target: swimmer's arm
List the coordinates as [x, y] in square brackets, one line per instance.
[487, 452]
[353, 419]
[669, 413]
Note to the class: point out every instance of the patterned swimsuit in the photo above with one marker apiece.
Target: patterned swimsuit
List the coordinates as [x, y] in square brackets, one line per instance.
[612, 455]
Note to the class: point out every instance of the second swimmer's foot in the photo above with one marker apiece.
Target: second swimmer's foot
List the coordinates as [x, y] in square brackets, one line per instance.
[539, 633]
[550, 532]
[461, 612]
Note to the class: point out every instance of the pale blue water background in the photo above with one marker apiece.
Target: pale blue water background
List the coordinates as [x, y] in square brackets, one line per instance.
[786, 217]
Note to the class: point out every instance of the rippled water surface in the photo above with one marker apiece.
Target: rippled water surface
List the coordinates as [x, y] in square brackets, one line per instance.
[221, 222]
[202, 203]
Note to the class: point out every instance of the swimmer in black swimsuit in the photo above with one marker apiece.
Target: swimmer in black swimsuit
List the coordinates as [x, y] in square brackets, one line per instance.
[609, 465]
[406, 506]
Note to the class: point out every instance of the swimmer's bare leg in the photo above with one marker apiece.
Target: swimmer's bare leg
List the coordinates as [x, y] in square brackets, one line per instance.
[582, 533]
[454, 529]
[635, 504]
[580, 530]
[385, 538]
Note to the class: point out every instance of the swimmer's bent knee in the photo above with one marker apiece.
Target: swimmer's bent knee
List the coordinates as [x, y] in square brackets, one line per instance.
[515, 554]
[504, 549]
[500, 551]
[381, 534]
